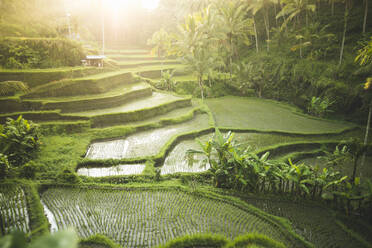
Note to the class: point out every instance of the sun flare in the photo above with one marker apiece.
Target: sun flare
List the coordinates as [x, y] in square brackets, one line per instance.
[150, 4]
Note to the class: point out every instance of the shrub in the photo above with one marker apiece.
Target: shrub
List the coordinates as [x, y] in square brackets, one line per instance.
[157, 177]
[21, 53]
[68, 176]
[9, 88]
[318, 106]
[28, 170]
[19, 140]
[166, 82]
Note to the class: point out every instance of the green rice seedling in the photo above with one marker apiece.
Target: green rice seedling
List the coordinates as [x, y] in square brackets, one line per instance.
[13, 210]
[150, 217]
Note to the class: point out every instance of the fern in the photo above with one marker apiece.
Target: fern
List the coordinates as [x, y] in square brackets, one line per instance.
[9, 88]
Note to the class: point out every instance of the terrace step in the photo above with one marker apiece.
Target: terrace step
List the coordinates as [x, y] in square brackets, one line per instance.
[138, 110]
[134, 64]
[109, 52]
[133, 57]
[43, 116]
[37, 77]
[280, 151]
[94, 84]
[119, 95]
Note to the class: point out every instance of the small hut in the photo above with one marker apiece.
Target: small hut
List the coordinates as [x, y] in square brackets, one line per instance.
[94, 60]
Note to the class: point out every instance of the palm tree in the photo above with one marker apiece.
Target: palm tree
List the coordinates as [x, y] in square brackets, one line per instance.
[159, 41]
[365, 16]
[263, 5]
[196, 45]
[293, 9]
[348, 5]
[365, 57]
[235, 25]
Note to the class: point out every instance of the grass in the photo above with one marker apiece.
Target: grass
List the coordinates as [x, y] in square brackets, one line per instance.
[266, 115]
[150, 217]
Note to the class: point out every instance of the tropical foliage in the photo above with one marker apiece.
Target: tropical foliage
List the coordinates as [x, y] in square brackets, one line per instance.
[19, 140]
[240, 168]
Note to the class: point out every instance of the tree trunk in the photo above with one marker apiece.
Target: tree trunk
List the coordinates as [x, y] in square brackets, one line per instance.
[333, 8]
[255, 33]
[306, 15]
[201, 86]
[365, 17]
[267, 27]
[344, 34]
[231, 57]
[366, 134]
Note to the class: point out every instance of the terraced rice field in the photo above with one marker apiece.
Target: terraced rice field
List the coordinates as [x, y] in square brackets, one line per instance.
[13, 210]
[154, 100]
[345, 168]
[265, 115]
[140, 218]
[119, 170]
[114, 92]
[147, 143]
[178, 161]
[315, 223]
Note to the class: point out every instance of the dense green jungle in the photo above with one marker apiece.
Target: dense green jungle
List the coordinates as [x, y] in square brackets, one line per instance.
[185, 123]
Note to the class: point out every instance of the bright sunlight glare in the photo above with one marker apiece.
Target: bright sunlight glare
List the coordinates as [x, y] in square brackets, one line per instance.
[150, 4]
[113, 5]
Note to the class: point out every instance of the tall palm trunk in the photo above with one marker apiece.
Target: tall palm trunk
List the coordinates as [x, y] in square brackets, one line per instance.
[344, 34]
[200, 79]
[255, 33]
[267, 27]
[231, 56]
[333, 7]
[365, 17]
[366, 134]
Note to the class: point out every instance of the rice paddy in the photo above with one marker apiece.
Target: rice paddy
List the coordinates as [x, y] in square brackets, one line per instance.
[13, 210]
[143, 218]
[143, 144]
[253, 113]
[119, 170]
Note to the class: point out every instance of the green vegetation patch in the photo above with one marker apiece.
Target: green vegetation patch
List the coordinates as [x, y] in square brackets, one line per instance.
[155, 99]
[150, 217]
[39, 52]
[123, 95]
[94, 84]
[40, 116]
[253, 113]
[37, 77]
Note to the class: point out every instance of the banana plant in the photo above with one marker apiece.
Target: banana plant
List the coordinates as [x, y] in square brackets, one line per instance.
[301, 177]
